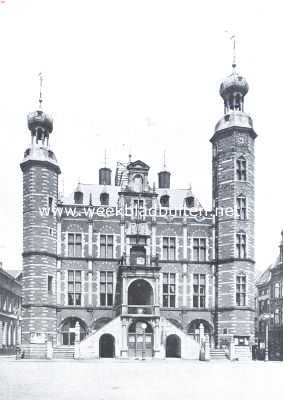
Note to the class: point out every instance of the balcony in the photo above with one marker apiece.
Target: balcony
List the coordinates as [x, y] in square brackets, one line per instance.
[138, 310]
[139, 262]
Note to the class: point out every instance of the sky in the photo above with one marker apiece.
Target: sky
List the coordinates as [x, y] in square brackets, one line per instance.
[139, 77]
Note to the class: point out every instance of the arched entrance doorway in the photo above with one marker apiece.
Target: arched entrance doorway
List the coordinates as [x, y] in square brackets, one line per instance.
[173, 346]
[140, 339]
[200, 330]
[68, 331]
[140, 296]
[107, 346]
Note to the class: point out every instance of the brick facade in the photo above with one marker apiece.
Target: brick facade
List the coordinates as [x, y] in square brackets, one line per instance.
[182, 268]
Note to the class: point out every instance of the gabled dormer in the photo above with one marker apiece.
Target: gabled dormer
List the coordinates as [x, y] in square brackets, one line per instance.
[138, 176]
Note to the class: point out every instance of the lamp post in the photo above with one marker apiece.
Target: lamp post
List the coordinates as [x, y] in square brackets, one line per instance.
[143, 326]
[266, 318]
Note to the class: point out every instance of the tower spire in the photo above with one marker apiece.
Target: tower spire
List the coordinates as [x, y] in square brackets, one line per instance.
[233, 88]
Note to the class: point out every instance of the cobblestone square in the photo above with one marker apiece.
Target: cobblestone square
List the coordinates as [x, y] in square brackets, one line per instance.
[123, 380]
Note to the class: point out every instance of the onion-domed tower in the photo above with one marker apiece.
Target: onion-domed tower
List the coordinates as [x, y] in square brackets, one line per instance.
[40, 195]
[233, 204]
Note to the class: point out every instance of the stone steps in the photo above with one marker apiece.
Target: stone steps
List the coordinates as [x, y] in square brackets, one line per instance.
[243, 353]
[63, 352]
[37, 351]
[218, 354]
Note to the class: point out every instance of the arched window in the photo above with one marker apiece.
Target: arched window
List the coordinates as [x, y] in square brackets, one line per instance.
[164, 200]
[242, 207]
[238, 102]
[190, 201]
[200, 329]
[241, 169]
[140, 292]
[104, 199]
[231, 102]
[138, 183]
[68, 333]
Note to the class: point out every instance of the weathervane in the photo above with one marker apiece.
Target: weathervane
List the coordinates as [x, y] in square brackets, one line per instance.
[233, 37]
[40, 89]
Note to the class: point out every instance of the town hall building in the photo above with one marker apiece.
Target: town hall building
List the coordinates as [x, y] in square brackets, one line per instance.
[121, 268]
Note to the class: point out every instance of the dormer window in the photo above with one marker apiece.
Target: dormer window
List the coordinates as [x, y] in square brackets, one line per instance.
[104, 199]
[190, 201]
[164, 200]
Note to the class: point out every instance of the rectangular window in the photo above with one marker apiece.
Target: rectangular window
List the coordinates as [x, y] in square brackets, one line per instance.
[106, 288]
[169, 248]
[276, 317]
[169, 290]
[50, 284]
[138, 204]
[106, 246]
[74, 244]
[50, 205]
[277, 290]
[241, 169]
[199, 291]
[241, 207]
[139, 211]
[74, 288]
[199, 249]
[241, 245]
[241, 290]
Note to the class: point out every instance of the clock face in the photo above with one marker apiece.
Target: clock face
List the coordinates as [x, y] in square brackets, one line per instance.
[241, 139]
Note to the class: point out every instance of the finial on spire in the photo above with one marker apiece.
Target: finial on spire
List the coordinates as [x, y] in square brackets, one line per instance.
[105, 157]
[232, 36]
[130, 157]
[40, 90]
[164, 160]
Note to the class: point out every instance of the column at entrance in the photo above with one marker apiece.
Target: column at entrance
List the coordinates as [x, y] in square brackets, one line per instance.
[1, 334]
[124, 349]
[157, 340]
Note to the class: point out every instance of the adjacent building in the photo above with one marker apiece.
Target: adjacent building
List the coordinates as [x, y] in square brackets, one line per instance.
[132, 270]
[10, 303]
[269, 325]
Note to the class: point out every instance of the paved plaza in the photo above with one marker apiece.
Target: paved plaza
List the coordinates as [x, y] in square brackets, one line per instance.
[123, 380]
